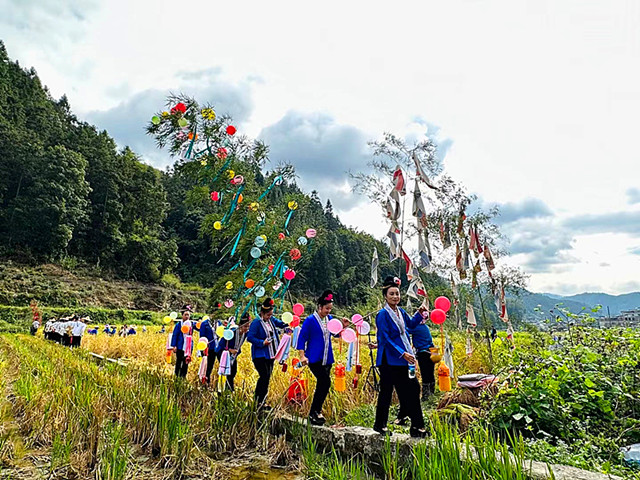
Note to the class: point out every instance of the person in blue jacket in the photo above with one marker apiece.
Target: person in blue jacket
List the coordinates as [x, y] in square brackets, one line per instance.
[422, 343]
[395, 354]
[264, 339]
[206, 331]
[314, 343]
[234, 346]
[183, 355]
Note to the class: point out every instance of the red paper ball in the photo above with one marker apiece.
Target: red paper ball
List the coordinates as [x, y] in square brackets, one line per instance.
[442, 303]
[438, 316]
[181, 107]
[231, 130]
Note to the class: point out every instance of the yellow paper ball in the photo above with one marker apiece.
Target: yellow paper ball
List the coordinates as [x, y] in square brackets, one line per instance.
[217, 225]
[228, 285]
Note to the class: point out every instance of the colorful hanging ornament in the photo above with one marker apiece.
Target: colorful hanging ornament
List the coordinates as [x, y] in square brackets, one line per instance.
[208, 114]
[231, 130]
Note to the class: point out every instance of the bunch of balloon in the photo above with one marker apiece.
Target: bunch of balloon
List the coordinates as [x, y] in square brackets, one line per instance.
[439, 316]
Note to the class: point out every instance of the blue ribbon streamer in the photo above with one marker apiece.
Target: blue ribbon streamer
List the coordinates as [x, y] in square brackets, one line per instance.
[275, 180]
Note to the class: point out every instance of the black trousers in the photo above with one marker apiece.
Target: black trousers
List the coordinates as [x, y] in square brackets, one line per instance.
[264, 366]
[428, 380]
[234, 371]
[211, 362]
[323, 384]
[426, 370]
[397, 377]
[76, 341]
[181, 364]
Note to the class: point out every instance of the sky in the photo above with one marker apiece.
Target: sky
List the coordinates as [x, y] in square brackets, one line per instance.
[535, 104]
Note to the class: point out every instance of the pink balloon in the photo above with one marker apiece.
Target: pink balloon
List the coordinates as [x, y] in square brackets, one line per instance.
[298, 309]
[348, 335]
[357, 319]
[334, 325]
[442, 303]
[289, 274]
[311, 233]
[438, 316]
[363, 328]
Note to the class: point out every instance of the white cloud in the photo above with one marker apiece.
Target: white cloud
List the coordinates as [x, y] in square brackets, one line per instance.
[539, 99]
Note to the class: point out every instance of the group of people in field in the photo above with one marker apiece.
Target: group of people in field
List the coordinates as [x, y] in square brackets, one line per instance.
[67, 331]
[402, 342]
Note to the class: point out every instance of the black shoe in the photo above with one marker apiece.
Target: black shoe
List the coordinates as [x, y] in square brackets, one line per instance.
[417, 432]
[317, 419]
[401, 422]
[383, 431]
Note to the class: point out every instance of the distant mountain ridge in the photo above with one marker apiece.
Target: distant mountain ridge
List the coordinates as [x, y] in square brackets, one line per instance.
[575, 303]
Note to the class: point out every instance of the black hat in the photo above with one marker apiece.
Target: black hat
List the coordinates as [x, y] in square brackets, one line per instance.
[267, 305]
[390, 281]
[186, 308]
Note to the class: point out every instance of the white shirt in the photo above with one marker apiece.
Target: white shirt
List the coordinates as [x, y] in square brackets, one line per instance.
[78, 328]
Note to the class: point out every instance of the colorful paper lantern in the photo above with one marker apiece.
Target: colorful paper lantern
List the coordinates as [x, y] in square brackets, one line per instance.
[255, 252]
[217, 225]
[228, 303]
[295, 254]
[302, 241]
[249, 283]
[222, 153]
[238, 180]
[228, 285]
[215, 196]
[231, 130]
[183, 122]
[293, 205]
[281, 236]
[259, 241]
[310, 233]
[155, 120]
[259, 292]
[289, 275]
[208, 114]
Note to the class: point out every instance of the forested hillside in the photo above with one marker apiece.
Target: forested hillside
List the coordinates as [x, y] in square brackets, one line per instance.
[67, 192]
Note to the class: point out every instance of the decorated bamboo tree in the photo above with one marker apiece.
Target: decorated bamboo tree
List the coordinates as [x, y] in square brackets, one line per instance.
[251, 218]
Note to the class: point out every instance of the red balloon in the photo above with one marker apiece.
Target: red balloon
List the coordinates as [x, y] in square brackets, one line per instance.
[442, 303]
[231, 130]
[295, 322]
[438, 316]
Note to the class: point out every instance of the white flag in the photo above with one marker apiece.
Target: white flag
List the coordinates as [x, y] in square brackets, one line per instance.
[374, 268]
